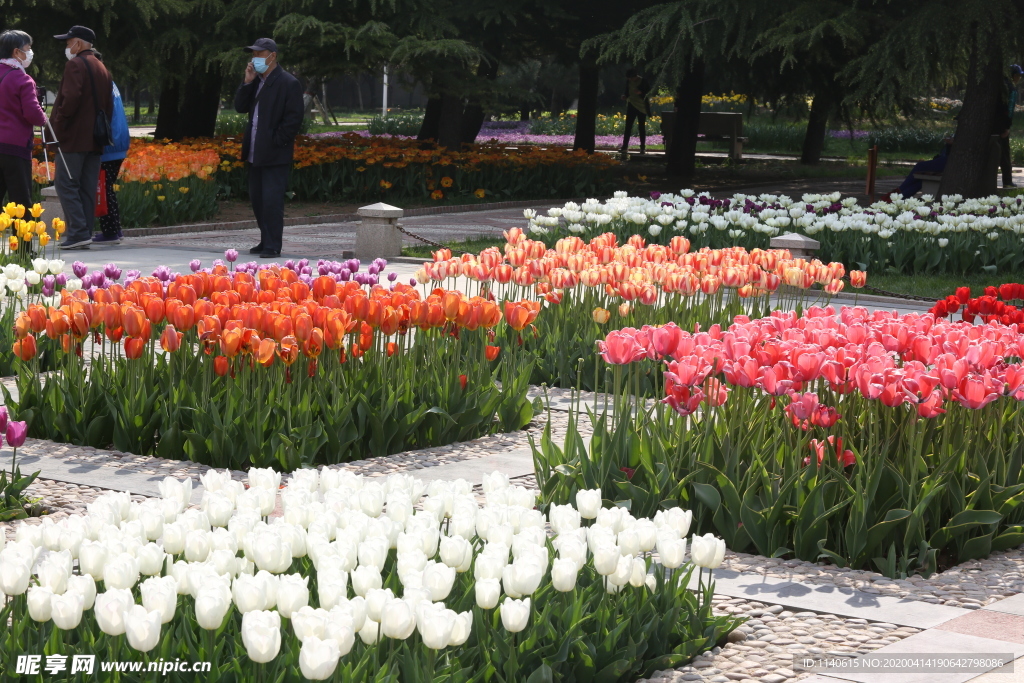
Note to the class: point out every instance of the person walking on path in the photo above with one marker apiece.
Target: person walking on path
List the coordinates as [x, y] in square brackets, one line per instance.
[1006, 111]
[81, 121]
[637, 109]
[272, 98]
[110, 164]
[19, 112]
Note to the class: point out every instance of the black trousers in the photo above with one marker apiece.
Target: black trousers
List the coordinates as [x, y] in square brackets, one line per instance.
[634, 114]
[1004, 161]
[267, 185]
[111, 223]
[16, 180]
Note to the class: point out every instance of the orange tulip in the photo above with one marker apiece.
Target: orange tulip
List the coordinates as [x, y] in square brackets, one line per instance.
[230, 342]
[601, 315]
[315, 345]
[267, 352]
[220, 366]
[288, 351]
[133, 347]
[491, 352]
[25, 348]
[37, 317]
[858, 278]
[170, 340]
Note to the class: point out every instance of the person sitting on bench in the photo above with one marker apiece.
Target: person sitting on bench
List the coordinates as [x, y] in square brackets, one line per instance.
[935, 166]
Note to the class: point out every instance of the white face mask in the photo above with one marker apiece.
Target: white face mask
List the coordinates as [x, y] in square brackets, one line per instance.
[68, 53]
[28, 59]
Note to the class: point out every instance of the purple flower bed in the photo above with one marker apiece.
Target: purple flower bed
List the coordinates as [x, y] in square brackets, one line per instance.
[846, 134]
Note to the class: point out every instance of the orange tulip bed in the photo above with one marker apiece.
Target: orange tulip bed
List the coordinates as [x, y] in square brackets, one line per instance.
[588, 286]
[271, 367]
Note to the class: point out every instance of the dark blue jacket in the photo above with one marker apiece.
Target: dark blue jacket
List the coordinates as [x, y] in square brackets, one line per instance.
[281, 111]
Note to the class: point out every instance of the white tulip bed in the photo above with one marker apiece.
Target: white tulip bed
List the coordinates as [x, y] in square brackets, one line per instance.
[360, 579]
[916, 235]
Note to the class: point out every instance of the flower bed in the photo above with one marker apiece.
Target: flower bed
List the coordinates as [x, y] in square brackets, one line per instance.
[993, 306]
[861, 438]
[269, 366]
[587, 284]
[315, 594]
[911, 236]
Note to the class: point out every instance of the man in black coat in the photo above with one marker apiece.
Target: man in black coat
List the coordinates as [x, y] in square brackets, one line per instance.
[272, 98]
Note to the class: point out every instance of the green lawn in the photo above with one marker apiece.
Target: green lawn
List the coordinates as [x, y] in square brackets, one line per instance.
[472, 245]
[939, 286]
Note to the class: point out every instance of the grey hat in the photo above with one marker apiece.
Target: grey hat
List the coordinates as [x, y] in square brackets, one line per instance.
[262, 44]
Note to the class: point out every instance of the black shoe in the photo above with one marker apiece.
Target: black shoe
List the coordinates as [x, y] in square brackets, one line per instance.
[269, 254]
[258, 249]
[76, 244]
[643, 150]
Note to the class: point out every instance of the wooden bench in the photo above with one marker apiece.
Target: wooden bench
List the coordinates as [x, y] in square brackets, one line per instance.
[713, 126]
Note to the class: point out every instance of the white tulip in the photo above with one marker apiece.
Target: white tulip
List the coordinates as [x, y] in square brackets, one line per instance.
[456, 552]
[39, 603]
[397, 620]
[85, 586]
[261, 634]
[588, 502]
[488, 591]
[364, 578]
[66, 610]
[307, 622]
[376, 598]
[438, 579]
[142, 628]
[707, 551]
[110, 610]
[212, 605]
[318, 658]
[121, 572]
[370, 632]
[150, 558]
[515, 614]
[292, 593]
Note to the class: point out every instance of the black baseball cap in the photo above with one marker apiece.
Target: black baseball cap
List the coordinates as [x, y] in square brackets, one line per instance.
[86, 34]
[262, 44]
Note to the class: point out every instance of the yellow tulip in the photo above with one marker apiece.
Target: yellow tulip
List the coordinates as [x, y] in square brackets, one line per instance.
[183, 190]
[44, 239]
[160, 198]
[12, 242]
[37, 210]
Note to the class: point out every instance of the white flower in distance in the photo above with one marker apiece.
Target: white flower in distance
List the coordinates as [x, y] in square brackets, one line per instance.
[707, 551]
[197, 545]
[150, 558]
[261, 635]
[110, 610]
[66, 610]
[318, 658]
[588, 502]
[515, 614]
[397, 620]
[943, 242]
[142, 628]
[53, 575]
[172, 489]
[264, 478]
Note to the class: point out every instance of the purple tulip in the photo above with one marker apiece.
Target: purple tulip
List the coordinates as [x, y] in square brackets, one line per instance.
[373, 269]
[371, 280]
[98, 278]
[79, 268]
[86, 281]
[344, 274]
[337, 267]
[392, 277]
[48, 290]
[218, 262]
[132, 275]
[16, 433]
[412, 282]
[162, 273]
[290, 264]
[305, 270]
[303, 263]
[195, 264]
[353, 265]
[3, 419]
[655, 195]
[231, 255]
[323, 269]
[62, 279]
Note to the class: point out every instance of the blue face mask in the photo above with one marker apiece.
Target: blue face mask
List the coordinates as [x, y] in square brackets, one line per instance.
[260, 64]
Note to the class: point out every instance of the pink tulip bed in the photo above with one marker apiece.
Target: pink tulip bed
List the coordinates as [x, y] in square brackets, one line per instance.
[867, 439]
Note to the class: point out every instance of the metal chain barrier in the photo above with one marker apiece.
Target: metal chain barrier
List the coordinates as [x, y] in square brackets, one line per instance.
[911, 297]
[432, 243]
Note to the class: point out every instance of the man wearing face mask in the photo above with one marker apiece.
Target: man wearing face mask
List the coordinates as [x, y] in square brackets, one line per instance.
[84, 101]
[19, 112]
[272, 98]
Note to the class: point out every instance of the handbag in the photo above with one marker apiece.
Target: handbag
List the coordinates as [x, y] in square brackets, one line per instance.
[101, 133]
[101, 195]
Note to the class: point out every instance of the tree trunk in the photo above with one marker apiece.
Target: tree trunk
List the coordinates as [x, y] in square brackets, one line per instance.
[449, 132]
[682, 156]
[970, 172]
[586, 108]
[817, 127]
[524, 112]
[137, 114]
[193, 114]
[431, 120]
[473, 115]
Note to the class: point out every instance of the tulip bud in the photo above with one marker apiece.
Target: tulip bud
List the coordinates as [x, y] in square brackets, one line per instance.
[212, 605]
[588, 502]
[606, 559]
[397, 620]
[369, 632]
[84, 586]
[142, 628]
[66, 610]
[261, 635]
[309, 622]
[488, 591]
[292, 593]
[39, 603]
[707, 551]
[456, 552]
[318, 658]
[121, 572]
[563, 574]
[110, 610]
[515, 614]
[160, 594]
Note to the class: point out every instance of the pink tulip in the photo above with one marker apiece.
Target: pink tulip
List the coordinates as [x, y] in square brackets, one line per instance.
[621, 348]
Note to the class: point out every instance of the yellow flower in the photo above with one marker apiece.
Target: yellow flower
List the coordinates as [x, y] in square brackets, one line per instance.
[117, 188]
[12, 242]
[40, 228]
[437, 194]
[58, 225]
[44, 239]
[385, 184]
[157, 186]
[480, 192]
[183, 190]
[37, 210]
[360, 169]
[446, 182]
[146, 193]
[160, 197]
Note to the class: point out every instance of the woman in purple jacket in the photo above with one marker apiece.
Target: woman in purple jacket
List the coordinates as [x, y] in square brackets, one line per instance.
[19, 112]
